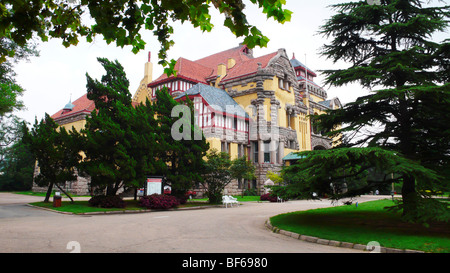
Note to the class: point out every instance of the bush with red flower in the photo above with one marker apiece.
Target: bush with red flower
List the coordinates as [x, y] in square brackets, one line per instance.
[269, 197]
[158, 201]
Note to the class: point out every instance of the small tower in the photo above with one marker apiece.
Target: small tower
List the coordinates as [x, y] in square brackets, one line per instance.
[68, 107]
[143, 91]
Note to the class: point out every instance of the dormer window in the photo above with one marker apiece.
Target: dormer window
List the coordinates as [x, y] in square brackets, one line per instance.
[283, 84]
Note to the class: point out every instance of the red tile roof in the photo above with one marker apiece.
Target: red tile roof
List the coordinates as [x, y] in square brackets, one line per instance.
[206, 67]
[190, 70]
[82, 104]
[237, 53]
[248, 67]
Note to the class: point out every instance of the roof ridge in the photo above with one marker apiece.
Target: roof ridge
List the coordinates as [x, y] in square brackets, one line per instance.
[220, 52]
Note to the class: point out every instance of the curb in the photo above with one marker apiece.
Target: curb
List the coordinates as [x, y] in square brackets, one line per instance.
[316, 240]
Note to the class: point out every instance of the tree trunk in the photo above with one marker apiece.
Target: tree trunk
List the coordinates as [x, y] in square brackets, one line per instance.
[64, 192]
[110, 190]
[49, 192]
[409, 195]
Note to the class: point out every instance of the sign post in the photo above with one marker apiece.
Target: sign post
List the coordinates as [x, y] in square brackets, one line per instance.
[153, 185]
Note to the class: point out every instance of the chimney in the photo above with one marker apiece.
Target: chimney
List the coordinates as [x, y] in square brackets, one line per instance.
[221, 70]
[148, 73]
[231, 63]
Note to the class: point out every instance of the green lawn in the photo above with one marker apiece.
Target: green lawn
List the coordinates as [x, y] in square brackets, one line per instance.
[78, 207]
[83, 206]
[365, 223]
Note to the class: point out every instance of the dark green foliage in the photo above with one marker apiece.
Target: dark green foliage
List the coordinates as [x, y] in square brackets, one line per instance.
[122, 21]
[142, 144]
[17, 165]
[242, 168]
[220, 170]
[10, 90]
[118, 140]
[124, 143]
[104, 201]
[56, 153]
[349, 172]
[217, 175]
[368, 166]
[390, 52]
[181, 148]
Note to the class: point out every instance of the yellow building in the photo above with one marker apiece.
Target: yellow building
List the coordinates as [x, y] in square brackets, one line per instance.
[246, 106]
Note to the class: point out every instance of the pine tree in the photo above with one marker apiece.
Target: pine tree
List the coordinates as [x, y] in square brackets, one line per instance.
[143, 143]
[116, 149]
[17, 166]
[181, 149]
[390, 52]
[55, 151]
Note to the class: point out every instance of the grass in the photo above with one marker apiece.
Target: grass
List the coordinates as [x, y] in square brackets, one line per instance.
[79, 207]
[365, 223]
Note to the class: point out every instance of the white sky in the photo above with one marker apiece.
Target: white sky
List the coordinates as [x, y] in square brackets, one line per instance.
[59, 73]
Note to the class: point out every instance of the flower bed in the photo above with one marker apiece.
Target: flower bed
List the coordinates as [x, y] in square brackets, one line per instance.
[157, 201]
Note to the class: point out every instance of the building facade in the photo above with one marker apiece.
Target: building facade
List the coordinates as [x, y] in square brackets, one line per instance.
[245, 105]
[249, 106]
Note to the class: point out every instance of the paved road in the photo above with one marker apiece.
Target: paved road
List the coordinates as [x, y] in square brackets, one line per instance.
[241, 229]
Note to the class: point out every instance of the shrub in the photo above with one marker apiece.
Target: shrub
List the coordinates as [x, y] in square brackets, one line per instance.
[250, 192]
[107, 201]
[157, 201]
[182, 200]
[269, 197]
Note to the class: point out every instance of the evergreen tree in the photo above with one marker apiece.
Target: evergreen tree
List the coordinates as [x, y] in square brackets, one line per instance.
[142, 143]
[181, 148]
[390, 52]
[118, 138]
[17, 166]
[56, 154]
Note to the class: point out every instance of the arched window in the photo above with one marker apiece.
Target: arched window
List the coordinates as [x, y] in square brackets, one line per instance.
[314, 125]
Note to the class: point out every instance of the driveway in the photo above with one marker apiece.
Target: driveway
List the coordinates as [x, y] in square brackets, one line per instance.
[240, 229]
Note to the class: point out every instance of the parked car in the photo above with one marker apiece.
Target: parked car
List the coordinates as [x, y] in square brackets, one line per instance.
[167, 190]
[189, 194]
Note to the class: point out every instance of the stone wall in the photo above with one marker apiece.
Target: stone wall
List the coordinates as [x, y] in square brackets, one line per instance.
[80, 186]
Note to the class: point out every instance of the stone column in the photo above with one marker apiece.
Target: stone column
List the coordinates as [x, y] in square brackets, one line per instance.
[261, 151]
[273, 151]
[281, 151]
